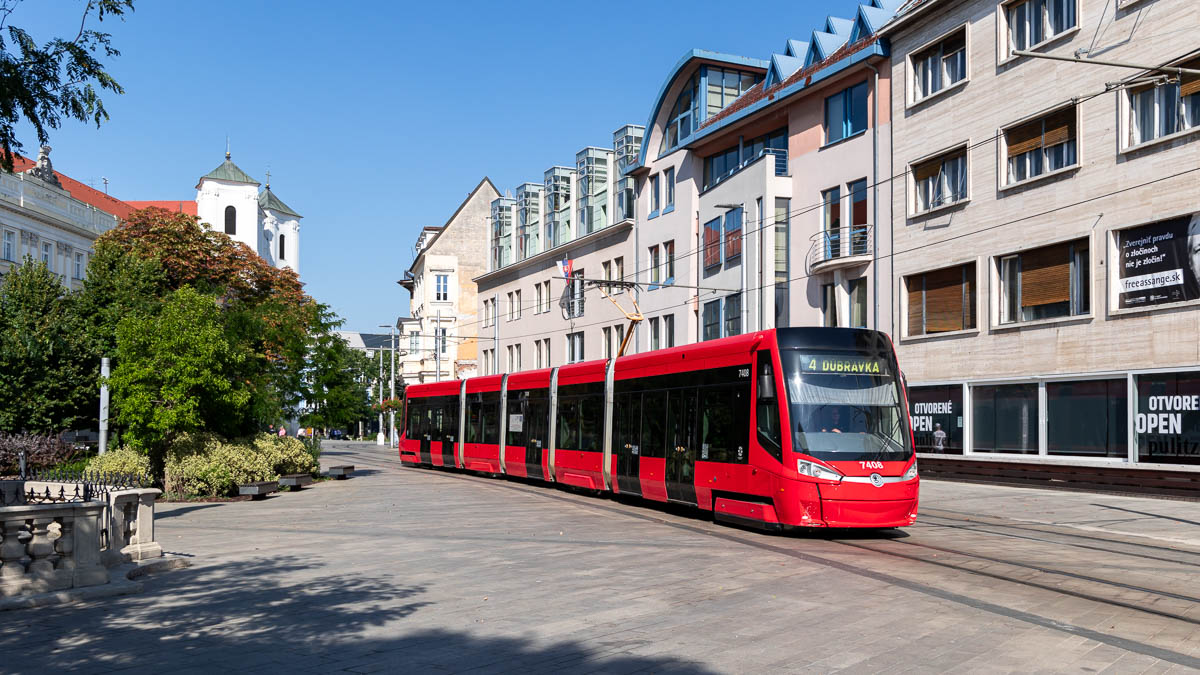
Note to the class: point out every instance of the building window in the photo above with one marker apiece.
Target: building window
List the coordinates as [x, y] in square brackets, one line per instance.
[512, 307]
[655, 272]
[724, 87]
[712, 320]
[669, 177]
[733, 315]
[517, 304]
[1041, 146]
[1032, 22]
[546, 295]
[619, 271]
[230, 220]
[733, 234]
[668, 330]
[654, 195]
[618, 338]
[79, 265]
[655, 334]
[440, 338]
[829, 305]
[712, 243]
[1160, 110]
[668, 254]
[509, 350]
[858, 303]
[721, 165]
[1005, 418]
[606, 268]
[608, 348]
[1045, 283]
[442, 287]
[9, 246]
[846, 113]
[941, 301]
[782, 295]
[538, 354]
[685, 114]
[1089, 418]
[575, 299]
[48, 255]
[537, 298]
[939, 65]
[517, 355]
[574, 347]
[414, 341]
[831, 211]
[282, 246]
[940, 181]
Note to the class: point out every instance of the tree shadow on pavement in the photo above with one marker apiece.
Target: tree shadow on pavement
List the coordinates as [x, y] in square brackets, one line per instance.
[283, 613]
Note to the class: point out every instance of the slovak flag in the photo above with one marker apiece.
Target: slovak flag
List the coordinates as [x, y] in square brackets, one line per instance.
[564, 267]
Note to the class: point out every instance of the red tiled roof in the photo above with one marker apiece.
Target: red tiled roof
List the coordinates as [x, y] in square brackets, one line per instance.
[168, 204]
[757, 93]
[83, 193]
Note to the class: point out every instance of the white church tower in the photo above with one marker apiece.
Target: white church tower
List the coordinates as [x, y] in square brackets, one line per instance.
[229, 201]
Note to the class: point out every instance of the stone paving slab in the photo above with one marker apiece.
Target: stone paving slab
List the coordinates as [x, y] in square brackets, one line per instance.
[410, 570]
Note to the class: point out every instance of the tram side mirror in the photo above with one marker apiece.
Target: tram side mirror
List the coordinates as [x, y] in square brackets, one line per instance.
[766, 386]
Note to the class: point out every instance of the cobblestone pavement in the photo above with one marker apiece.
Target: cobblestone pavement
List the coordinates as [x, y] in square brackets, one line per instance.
[412, 570]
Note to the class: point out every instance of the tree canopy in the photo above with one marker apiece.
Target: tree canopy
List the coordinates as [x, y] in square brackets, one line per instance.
[62, 78]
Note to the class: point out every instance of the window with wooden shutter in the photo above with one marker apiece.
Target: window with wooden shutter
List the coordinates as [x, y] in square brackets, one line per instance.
[942, 300]
[1024, 138]
[1189, 83]
[1046, 276]
[927, 170]
[1059, 127]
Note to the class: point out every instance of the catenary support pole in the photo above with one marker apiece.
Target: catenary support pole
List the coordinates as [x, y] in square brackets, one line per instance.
[379, 436]
[437, 346]
[104, 371]
[392, 393]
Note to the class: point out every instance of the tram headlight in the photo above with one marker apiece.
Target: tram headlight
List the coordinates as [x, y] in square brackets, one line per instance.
[912, 471]
[816, 470]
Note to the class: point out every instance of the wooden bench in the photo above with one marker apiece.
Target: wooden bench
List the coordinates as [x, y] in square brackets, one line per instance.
[259, 490]
[296, 480]
[340, 472]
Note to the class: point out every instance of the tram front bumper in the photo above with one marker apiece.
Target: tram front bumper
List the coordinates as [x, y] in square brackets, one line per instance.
[864, 505]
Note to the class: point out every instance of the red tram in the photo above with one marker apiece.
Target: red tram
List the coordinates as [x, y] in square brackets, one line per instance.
[794, 427]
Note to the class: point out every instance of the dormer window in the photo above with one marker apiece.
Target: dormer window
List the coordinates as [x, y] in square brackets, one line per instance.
[230, 220]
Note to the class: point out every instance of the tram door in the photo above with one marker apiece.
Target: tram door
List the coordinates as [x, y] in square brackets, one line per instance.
[627, 429]
[449, 432]
[424, 433]
[681, 445]
[536, 422]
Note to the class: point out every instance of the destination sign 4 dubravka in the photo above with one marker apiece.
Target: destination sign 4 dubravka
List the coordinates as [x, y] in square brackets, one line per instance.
[847, 365]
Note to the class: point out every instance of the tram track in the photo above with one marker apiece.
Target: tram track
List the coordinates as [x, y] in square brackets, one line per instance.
[832, 559]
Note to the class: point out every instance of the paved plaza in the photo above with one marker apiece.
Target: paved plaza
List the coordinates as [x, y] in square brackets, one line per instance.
[410, 570]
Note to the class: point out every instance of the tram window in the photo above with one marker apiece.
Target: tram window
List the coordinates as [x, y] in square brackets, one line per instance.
[514, 408]
[654, 432]
[568, 424]
[491, 418]
[450, 420]
[414, 414]
[767, 413]
[474, 419]
[591, 418]
[725, 423]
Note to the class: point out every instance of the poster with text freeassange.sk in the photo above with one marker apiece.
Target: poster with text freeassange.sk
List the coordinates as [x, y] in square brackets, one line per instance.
[1159, 262]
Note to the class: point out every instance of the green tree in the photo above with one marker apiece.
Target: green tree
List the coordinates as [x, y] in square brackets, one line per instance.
[334, 379]
[42, 84]
[44, 381]
[178, 371]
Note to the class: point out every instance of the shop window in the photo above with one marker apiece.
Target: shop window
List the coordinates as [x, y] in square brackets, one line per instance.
[1167, 422]
[940, 181]
[1045, 283]
[937, 418]
[1041, 146]
[941, 301]
[1005, 418]
[1089, 418]
[939, 65]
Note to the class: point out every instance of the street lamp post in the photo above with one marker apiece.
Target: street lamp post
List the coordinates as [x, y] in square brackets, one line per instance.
[392, 388]
[379, 436]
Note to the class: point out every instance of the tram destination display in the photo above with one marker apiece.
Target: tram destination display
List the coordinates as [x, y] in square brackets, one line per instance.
[1159, 262]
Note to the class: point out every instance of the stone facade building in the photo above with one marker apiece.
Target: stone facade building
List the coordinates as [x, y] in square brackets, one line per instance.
[441, 327]
[1045, 223]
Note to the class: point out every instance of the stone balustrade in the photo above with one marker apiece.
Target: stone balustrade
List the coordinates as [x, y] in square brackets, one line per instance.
[50, 547]
[131, 525]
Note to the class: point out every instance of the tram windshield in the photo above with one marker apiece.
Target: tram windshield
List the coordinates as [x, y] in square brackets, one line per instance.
[845, 407]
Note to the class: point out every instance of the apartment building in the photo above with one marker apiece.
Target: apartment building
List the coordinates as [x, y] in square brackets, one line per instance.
[1046, 227]
[756, 187]
[53, 218]
[438, 338]
[545, 242]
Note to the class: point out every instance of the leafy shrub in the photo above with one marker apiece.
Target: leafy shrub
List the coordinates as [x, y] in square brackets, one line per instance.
[284, 453]
[41, 452]
[205, 465]
[122, 460]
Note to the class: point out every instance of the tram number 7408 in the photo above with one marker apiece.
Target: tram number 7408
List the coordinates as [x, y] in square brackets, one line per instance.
[871, 465]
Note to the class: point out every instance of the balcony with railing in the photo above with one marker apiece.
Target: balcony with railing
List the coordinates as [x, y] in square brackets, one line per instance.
[841, 247]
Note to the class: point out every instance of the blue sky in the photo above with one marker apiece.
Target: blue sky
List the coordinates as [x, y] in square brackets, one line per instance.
[376, 119]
